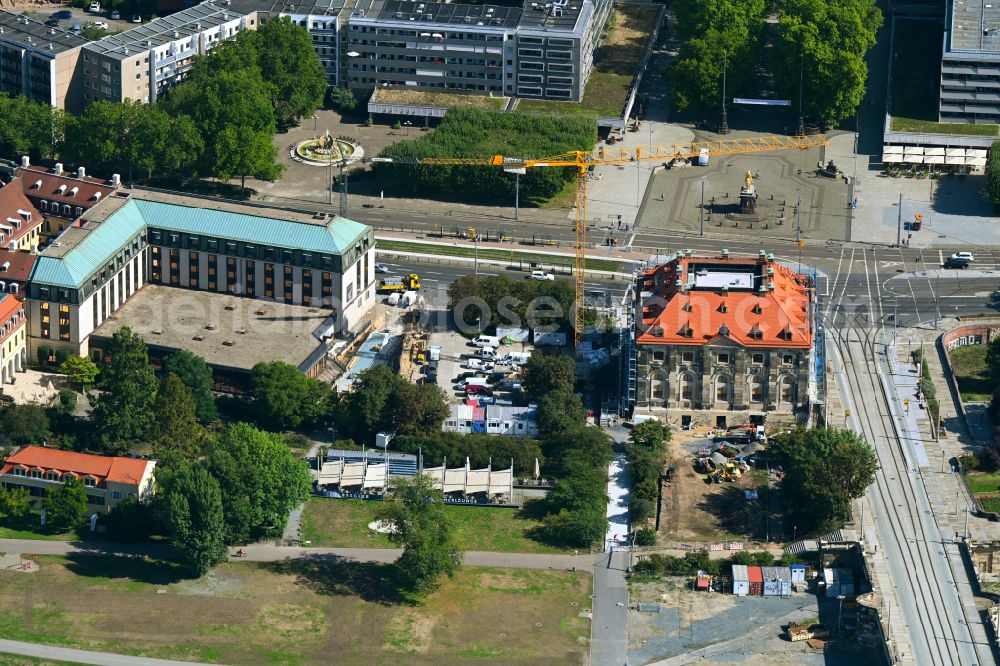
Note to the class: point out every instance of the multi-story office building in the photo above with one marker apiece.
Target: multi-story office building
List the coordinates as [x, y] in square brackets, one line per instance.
[141, 63]
[39, 62]
[970, 63]
[137, 238]
[541, 50]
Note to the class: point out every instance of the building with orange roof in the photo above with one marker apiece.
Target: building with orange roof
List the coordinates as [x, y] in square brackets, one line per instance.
[62, 196]
[13, 338]
[109, 480]
[20, 221]
[718, 335]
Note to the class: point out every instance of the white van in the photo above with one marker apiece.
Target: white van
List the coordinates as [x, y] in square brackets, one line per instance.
[486, 341]
[518, 358]
[394, 298]
[479, 364]
[487, 353]
[408, 299]
[435, 352]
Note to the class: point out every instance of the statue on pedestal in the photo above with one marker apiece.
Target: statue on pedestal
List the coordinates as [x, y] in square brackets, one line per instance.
[748, 195]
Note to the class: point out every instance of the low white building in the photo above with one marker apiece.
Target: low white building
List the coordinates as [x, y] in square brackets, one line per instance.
[493, 420]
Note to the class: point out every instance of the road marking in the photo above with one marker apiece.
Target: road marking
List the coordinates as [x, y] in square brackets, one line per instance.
[890, 264]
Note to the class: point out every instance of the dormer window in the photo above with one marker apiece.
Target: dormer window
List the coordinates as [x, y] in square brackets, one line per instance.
[73, 191]
[35, 473]
[62, 189]
[68, 476]
[37, 185]
[17, 471]
[52, 475]
[89, 481]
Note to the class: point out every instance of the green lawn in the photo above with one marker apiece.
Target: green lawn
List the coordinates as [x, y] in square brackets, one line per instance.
[29, 528]
[969, 365]
[406, 96]
[983, 483]
[932, 127]
[498, 255]
[344, 524]
[297, 612]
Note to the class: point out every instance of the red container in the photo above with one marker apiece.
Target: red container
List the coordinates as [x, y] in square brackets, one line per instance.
[756, 580]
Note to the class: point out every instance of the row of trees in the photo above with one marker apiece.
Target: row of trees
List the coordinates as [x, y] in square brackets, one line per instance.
[645, 452]
[993, 175]
[823, 41]
[825, 469]
[496, 300]
[701, 560]
[220, 122]
[477, 133]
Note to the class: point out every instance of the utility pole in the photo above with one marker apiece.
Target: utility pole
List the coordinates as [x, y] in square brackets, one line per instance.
[802, 122]
[899, 222]
[702, 208]
[517, 196]
[724, 125]
[475, 243]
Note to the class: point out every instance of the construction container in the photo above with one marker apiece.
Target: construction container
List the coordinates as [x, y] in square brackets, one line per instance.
[756, 581]
[741, 580]
[777, 581]
[798, 573]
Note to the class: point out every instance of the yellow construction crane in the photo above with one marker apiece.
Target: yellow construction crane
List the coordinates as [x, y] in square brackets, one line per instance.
[584, 161]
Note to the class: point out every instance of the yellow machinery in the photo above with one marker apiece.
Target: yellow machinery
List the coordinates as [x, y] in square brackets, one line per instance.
[584, 161]
[409, 282]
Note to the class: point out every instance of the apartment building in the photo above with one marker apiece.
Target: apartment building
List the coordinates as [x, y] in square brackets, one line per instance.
[322, 18]
[107, 480]
[540, 50]
[970, 63]
[139, 64]
[13, 340]
[20, 221]
[39, 62]
[61, 196]
[135, 238]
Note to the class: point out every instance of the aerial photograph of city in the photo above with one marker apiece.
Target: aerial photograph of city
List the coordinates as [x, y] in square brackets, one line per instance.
[510, 332]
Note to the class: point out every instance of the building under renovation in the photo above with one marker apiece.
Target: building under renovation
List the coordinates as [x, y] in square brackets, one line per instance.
[718, 339]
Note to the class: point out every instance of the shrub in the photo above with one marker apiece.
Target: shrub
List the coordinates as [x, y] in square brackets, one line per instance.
[645, 537]
[131, 521]
[67, 399]
[44, 354]
[642, 509]
[397, 125]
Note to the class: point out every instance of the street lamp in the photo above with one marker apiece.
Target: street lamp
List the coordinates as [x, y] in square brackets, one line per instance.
[408, 125]
[315, 120]
[724, 125]
[802, 123]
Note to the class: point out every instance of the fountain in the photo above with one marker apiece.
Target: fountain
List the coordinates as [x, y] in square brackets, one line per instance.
[325, 150]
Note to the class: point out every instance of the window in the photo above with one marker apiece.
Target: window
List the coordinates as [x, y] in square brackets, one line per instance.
[723, 357]
[656, 388]
[756, 389]
[787, 359]
[687, 357]
[757, 359]
[658, 356]
[51, 476]
[35, 474]
[116, 494]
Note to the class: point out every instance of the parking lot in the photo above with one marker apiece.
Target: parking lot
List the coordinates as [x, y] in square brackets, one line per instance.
[456, 353]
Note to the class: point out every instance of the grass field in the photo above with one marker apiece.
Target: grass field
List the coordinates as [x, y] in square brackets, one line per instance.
[344, 524]
[901, 124]
[983, 483]
[498, 255]
[296, 612]
[30, 528]
[615, 67]
[969, 365]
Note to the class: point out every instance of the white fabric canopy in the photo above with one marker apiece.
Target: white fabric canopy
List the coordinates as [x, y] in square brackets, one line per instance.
[914, 150]
[975, 152]
[892, 150]
[934, 159]
[955, 152]
[957, 160]
[892, 158]
[976, 161]
[933, 151]
[914, 159]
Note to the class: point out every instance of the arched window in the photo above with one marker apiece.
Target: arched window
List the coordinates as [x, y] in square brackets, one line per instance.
[51, 475]
[35, 474]
[89, 481]
[17, 471]
[756, 388]
[657, 388]
[687, 386]
[786, 390]
[723, 389]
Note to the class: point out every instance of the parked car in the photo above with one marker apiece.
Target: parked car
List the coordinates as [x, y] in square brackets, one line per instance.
[963, 255]
[956, 262]
[52, 22]
[487, 353]
[136, 19]
[476, 389]
[381, 268]
[486, 341]
[94, 7]
[77, 28]
[479, 364]
[463, 376]
[541, 276]
[100, 25]
[62, 15]
[116, 15]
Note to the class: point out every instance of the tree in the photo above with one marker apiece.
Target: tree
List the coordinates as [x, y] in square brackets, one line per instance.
[195, 518]
[242, 151]
[341, 99]
[993, 177]
[197, 377]
[162, 145]
[650, 437]
[15, 502]
[288, 61]
[646, 536]
[548, 374]
[24, 424]
[285, 398]
[66, 504]
[559, 411]
[415, 509]
[361, 413]
[124, 410]
[178, 434]
[581, 527]
[67, 399]
[260, 479]
[417, 408]
[80, 370]
[131, 521]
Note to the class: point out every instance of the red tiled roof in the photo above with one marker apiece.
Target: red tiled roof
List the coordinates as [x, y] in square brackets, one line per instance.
[21, 262]
[9, 307]
[12, 200]
[676, 310]
[48, 190]
[104, 468]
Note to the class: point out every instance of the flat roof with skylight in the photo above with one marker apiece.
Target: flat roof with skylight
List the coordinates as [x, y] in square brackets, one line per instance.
[973, 28]
[37, 35]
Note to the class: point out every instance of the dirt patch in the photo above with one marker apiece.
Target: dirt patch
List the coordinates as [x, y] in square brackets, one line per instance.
[699, 511]
[410, 631]
[503, 582]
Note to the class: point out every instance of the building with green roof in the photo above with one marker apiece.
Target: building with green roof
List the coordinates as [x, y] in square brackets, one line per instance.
[137, 237]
